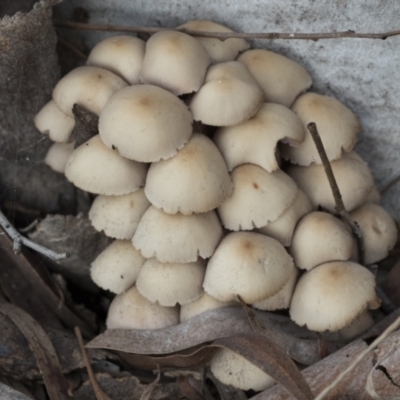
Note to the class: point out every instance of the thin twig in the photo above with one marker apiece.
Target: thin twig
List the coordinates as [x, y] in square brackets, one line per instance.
[71, 47]
[339, 205]
[360, 357]
[227, 35]
[19, 240]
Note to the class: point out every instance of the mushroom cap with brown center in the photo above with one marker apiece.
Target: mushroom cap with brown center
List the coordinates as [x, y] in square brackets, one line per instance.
[145, 123]
[247, 264]
[90, 87]
[218, 50]
[337, 126]
[121, 54]
[352, 175]
[281, 78]
[195, 180]
[176, 237]
[258, 197]
[175, 61]
[332, 295]
[95, 168]
[254, 141]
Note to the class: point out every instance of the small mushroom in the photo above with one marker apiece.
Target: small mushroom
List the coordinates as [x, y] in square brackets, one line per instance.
[332, 295]
[175, 61]
[177, 238]
[171, 283]
[130, 310]
[57, 156]
[117, 267]
[95, 168]
[123, 55]
[281, 79]
[247, 264]
[218, 50]
[118, 216]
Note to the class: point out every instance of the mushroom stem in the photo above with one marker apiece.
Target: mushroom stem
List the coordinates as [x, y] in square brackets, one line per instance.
[339, 205]
[19, 240]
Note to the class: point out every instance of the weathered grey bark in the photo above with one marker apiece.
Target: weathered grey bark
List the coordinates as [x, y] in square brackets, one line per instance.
[28, 72]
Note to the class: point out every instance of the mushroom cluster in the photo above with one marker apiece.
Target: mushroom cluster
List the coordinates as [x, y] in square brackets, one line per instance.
[208, 180]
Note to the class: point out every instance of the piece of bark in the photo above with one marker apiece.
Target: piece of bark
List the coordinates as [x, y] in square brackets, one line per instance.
[77, 237]
[385, 378]
[28, 73]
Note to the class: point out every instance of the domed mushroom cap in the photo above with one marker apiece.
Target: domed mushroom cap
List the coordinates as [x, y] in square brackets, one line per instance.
[357, 327]
[195, 180]
[120, 54]
[117, 267]
[337, 125]
[232, 369]
[226, 102]
[130, 310]
[352, 175]
[118, 216]
[281, 79]
[145, 123]
[258, 197]
[247, 264]
[332, 295]
[379, 231]
[57, 156]
[95, 168]
[218, 50]
[52, 121]
[254, 141]
[280, 300]
[171, 283]
[176, 237]
[282, 228]
[175, 61]
[203, 304]
[320, 237]
[90, 87]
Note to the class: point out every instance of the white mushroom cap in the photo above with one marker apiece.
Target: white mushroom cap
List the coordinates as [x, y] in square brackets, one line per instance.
[171, 283]
[281, 79]
[226, 102]
[332, 295]
[282, 228]
[117, 267]
[52, 121]
[379, 231]
[195, 180]
[247, 264]
[352, 175]
[57, 156]
[337, 126]
[90, 87]
[254, 141]
[130, 310]
[218, 50]
[176, 237]
[258, 197]
[118, 216]
[203, 304]
[232, 369]
[145, 123]
[95, 168]
[120, 54]
[358, 326]
[280, 300]
[175, 61]
[320, 237]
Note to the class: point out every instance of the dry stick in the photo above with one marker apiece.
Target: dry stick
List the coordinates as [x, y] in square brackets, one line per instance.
[19, 240]
[360, 357]
[339, 205]
[226, 35]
